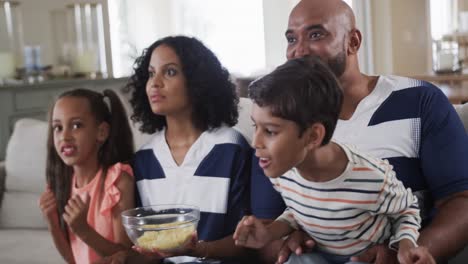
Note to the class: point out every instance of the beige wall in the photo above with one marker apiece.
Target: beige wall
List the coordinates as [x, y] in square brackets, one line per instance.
[410, 36]
[401, 37]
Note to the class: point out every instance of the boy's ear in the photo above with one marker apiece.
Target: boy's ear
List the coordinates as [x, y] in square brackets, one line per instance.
[314, 135]
[103, 132]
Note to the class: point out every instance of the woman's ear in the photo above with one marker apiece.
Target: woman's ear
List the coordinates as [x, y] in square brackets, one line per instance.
[103, 132]
[314, 135]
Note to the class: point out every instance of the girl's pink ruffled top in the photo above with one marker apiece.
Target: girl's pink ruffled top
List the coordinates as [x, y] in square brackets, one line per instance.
[103, 197]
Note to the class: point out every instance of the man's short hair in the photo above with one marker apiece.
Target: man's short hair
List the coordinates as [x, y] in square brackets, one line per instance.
[302, 90]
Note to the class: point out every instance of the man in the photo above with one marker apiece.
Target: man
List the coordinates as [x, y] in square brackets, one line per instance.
[408, 122]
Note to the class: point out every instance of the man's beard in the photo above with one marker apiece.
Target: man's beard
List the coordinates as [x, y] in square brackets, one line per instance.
[337, 64]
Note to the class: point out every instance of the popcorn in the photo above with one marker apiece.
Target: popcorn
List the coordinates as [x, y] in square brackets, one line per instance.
[166, 239]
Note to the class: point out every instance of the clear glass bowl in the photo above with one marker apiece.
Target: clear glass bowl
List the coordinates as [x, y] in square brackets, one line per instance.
[161, 227]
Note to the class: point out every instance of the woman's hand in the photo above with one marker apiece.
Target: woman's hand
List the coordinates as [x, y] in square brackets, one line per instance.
[48, 205]
[76, 213]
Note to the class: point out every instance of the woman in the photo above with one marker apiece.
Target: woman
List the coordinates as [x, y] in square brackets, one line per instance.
[182, 94]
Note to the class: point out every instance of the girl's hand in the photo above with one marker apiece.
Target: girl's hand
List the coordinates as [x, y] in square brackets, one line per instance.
[48, 206]
[251, 232]
[76, 213]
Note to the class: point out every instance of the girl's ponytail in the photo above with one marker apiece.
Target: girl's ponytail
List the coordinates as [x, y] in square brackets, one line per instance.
[119, 145]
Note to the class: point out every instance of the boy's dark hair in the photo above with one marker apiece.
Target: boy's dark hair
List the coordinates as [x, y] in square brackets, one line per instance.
[302, 90]
[117, 148]
[209, 88]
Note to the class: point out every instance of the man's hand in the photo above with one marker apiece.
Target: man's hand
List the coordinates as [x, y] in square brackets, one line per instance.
[76, 213]
[251, 232]
[378, 254]
[48, 205]
[298, 242]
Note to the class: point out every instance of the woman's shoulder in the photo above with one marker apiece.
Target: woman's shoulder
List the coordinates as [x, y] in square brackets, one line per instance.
[153, 140]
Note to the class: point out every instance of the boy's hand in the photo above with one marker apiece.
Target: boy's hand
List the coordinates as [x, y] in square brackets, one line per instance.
[404, 251]
[76, 212]
[251, 232]
[409, 254]
[378, 254]
[48, 206]
[297, 242]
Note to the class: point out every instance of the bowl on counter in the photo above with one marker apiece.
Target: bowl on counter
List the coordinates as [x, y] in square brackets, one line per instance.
[164, 228]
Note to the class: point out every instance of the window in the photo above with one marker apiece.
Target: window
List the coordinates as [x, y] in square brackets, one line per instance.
[443, 18]
[237, 40]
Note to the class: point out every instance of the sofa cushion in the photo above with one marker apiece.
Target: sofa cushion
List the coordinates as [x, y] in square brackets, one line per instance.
[21, 210]
[462, 111]
[245, 124]
[26, 153]
[27, 246]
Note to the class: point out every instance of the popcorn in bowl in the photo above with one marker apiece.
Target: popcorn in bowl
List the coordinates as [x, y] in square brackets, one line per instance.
[165, 239]
[161, 227]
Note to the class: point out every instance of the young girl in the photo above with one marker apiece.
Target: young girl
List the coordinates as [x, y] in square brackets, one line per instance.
[88, 186]
[184, 97]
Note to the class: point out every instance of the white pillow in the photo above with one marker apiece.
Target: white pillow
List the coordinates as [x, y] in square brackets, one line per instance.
[139, 138]
[245, 124]
[462, 111]
[21, 210]
[26, 153]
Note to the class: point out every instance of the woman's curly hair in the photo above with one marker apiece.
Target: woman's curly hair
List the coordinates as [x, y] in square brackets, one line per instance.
[209, 88]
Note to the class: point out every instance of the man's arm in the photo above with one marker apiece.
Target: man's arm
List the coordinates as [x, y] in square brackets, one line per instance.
[444, 162]
[448, 232]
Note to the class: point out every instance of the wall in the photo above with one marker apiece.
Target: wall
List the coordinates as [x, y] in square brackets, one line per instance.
[410, 36]
[401, 37]
[275, 17]
[382, 37]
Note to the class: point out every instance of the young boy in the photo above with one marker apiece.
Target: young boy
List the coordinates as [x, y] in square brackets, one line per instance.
[346, 201]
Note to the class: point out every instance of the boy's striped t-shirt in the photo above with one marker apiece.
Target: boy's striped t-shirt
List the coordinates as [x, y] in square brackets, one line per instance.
[365, 205]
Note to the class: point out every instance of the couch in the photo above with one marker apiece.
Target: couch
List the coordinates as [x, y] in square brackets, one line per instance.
[23, 234]
[24, 237]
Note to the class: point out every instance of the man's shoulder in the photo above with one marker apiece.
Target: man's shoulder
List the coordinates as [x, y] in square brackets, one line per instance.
[401, 83]
[407, 98]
